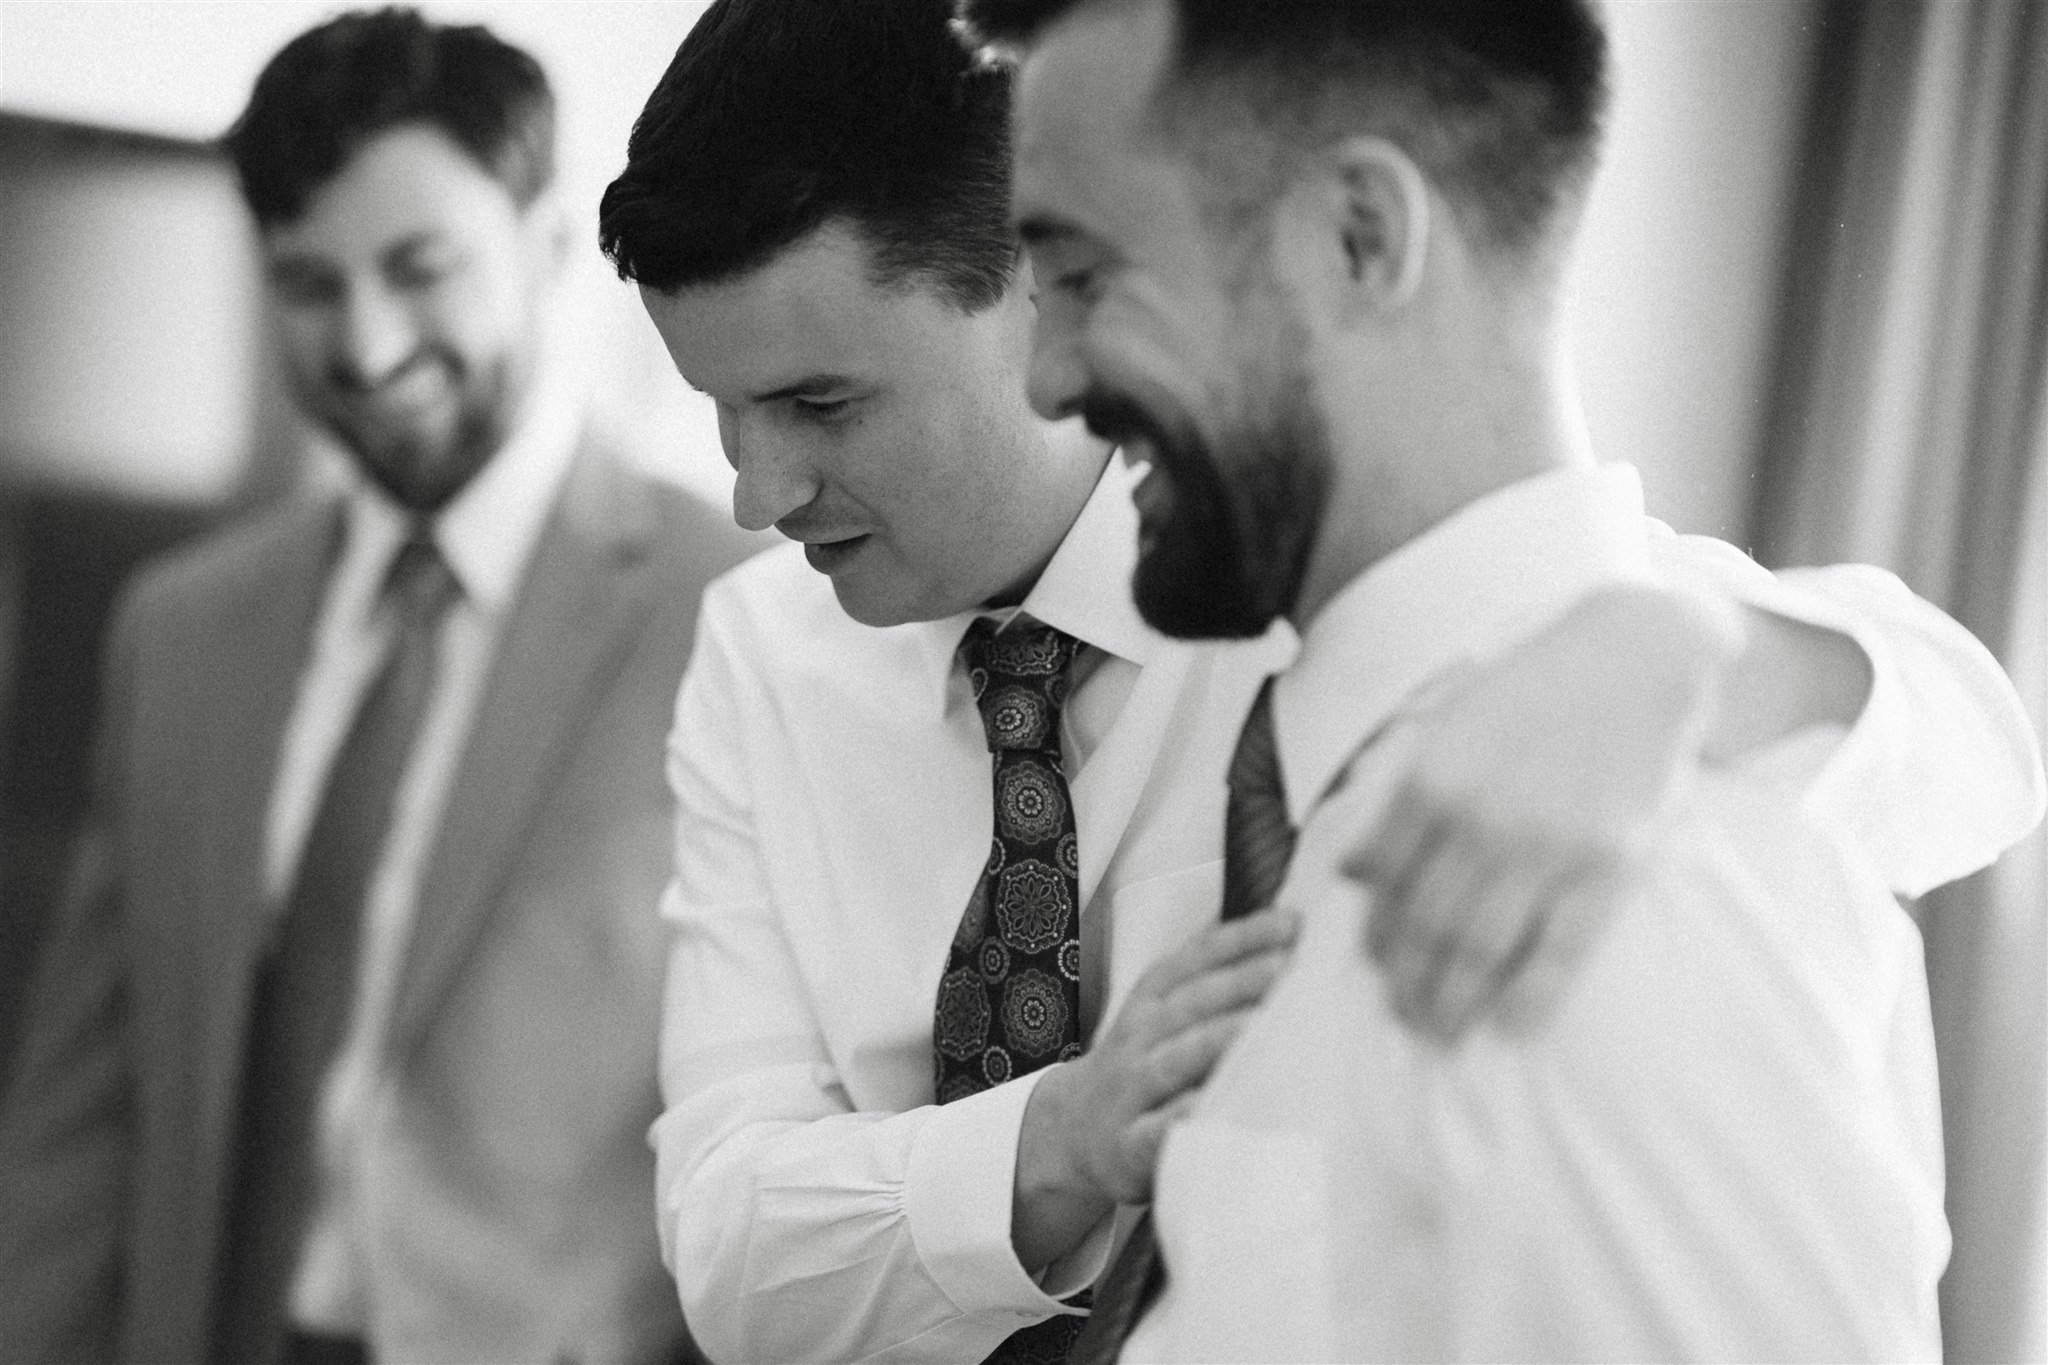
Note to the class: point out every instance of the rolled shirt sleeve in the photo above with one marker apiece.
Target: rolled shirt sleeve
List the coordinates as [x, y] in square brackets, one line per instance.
[1941, 772]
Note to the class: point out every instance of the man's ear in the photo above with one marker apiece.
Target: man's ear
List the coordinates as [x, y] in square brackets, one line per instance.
[1360, 222]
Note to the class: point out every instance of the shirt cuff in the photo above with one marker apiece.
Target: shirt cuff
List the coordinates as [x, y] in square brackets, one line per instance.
[1947, 771]
[1068, 1275]
[957, 1195]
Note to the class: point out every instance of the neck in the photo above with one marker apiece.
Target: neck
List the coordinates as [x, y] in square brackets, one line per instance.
[1459, 433]
[1077, 460]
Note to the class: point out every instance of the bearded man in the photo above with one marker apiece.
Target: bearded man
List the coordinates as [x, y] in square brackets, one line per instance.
[1304, 260]
[344, 1048]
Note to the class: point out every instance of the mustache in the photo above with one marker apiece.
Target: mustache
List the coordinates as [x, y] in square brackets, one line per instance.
[1113, 416]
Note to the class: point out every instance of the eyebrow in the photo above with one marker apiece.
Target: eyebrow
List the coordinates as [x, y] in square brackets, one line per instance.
[1038, 230]
[415, 241]
[297, 259]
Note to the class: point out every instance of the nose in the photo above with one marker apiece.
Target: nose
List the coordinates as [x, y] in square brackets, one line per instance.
[1059, 377]
[773, 480]
[375, 337]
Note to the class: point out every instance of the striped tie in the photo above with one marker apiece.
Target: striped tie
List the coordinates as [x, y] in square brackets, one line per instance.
[1258, 841]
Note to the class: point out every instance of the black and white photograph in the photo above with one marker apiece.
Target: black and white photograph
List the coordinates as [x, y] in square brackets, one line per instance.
[1044, 682]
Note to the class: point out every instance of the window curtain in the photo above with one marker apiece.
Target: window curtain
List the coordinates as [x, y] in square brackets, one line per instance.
[1908, 427]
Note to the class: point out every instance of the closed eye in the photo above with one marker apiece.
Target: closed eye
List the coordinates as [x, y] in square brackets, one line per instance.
[822, 407]
[1085, 286]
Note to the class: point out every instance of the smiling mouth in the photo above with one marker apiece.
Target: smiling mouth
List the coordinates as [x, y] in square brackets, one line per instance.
[1136, 451]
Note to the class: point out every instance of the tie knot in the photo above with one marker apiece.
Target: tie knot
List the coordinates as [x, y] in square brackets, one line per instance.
[420, 582]
[1019, 677]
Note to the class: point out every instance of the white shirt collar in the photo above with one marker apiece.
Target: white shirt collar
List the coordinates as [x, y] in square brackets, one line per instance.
[1085, 589]
[1485, 578]
[489, 531]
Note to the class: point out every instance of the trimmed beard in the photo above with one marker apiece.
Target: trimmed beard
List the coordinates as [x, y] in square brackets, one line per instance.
[1228, 556]
[422, 472]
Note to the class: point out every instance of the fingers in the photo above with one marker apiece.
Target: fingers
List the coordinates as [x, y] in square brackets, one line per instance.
[1388, 862]
[1178, 1061]
[1131, 1180]
[1505, 919]
[1582, 906]
[1184, 1061]
[1237, 985]
[1464, 912]
[1184, 1064]
[1188, 1008]
[1148, 1132]
[1427, 905]
[1182, 1017]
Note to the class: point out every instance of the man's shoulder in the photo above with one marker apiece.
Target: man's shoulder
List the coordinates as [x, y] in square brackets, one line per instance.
[241, 556]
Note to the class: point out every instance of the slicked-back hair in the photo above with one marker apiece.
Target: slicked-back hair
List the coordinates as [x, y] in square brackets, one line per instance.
[780, 116]
[1499, 101]
[334, 88]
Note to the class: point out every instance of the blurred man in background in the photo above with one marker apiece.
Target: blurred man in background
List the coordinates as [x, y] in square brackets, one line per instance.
[344, 1047]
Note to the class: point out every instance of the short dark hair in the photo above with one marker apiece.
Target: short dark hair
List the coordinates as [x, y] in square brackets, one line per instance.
[778, 116]
[335, 87]
[1499, 102]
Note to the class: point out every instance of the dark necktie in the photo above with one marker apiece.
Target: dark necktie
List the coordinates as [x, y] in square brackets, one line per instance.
[305, 983]
[1010, 1001]
[1258, 841]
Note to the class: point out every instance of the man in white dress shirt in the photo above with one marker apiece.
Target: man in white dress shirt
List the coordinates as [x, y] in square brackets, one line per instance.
[1304, 258]
[814, 208]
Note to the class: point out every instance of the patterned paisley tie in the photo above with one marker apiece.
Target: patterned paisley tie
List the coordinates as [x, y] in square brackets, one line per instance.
[1010, 1001]
[1258, 841]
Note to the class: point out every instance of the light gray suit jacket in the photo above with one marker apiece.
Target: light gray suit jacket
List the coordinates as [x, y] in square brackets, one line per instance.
[512, 1214]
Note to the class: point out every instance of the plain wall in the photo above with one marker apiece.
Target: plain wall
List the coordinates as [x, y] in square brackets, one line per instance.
[1673, 295]
[128, 296]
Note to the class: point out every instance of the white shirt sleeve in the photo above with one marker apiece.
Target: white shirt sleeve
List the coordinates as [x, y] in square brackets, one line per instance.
[1940, 773]
[799, 1227]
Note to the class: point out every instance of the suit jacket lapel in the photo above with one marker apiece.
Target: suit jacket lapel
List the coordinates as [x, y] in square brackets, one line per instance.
[579, 608]
[250, 665]
[253, 669]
